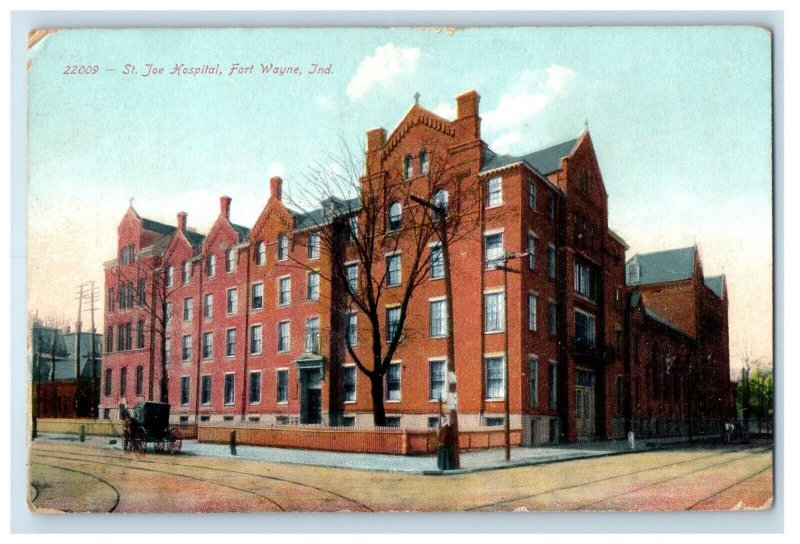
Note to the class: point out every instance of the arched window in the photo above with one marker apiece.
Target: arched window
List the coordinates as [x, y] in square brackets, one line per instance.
[261, 253]
[440, 200]
[408, 166]
[395, 216]
[423, 162]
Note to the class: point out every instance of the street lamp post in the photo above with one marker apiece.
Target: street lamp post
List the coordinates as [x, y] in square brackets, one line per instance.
[503, 265]
[452, 397]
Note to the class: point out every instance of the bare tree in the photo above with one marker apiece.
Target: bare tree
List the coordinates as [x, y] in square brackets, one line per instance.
[365, 217]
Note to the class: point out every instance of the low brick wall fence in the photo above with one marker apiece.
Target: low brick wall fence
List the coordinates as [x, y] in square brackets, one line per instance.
[97, 427]
[355, 440]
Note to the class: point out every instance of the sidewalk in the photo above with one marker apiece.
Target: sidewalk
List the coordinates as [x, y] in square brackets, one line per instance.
[470, 461]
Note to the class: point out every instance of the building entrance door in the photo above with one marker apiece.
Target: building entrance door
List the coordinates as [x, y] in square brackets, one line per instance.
[584, 405]
[310, 396]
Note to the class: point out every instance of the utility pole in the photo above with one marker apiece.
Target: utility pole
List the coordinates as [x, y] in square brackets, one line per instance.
[440, 215]
[94, 397]
[503, 265]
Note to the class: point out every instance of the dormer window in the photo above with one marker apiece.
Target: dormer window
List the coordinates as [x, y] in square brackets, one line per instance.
[408, 166]
[423, 162]
[634, 272]
[395, 219]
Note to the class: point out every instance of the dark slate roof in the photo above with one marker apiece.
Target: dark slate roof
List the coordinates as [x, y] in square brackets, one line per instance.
[545, 161]
[663, 266]
[195, 238]
[331, 207]
[241, 232]
[155, 226]
[715, 283]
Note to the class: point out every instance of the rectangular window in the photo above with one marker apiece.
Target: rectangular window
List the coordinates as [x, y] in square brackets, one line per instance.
[186, 348]
[255, 387]
[393, 422]
[128, 337]
[205, 390]
[167, 350]
[551, 206]
[349, 383]
[351, 273]
[123, 382]
[185, 385]
[141, 292]
[255, 339]
[437, 318]
[110, 339]
[584, 330]
[284, 336]
[283, 248]
[392, 322]
[533, 380]
[167, 313]
[551, 261]
[186, 271]
[312, 290]
[494, 192]
[437, 373]
[139, 380]
[494, 312]
[110, 300]
[531, 251]
[208, 345]
[532, 195]
[618, 390]
[553, 385]
[229, 388]
[312, 335]
[188, 309]
[437, 262]
[282, 393]
[211, 265]
[232, 301]
[351, 328]
[140, 334]
[494, 378]
[108, 380]
[393, 382]
[257, 301]
[313, 245]
[494, 252]
[393, 270]
[532, 312]
[230, 343]
[168, 276]
[208, 305]
[284, 291]
[230, 256]
[585, 281]
[352, 228]
[552, 318]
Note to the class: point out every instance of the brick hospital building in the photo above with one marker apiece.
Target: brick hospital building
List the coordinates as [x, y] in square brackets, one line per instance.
[249, 329]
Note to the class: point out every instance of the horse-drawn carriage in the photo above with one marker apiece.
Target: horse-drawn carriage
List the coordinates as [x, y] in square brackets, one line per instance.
[149, 422]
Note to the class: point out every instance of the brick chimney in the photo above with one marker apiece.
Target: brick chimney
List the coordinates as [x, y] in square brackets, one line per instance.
[182, 221]
[275, 187]
[225, 206]
[375, 138]
[467, 114]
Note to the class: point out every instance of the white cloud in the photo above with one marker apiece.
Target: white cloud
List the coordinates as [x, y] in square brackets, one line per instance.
[389, 63]
[323, 101]
[448, 111]
[505, 142]
[533, 91]
[276, 169]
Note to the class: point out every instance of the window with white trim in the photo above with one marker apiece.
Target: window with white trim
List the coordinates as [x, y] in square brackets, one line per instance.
[494, 192]
[185, 390]
[230, 382]
[283, 247]
[437, 373]
[533, 380]
[393, 270]
[186, 272]
[553, 385]
[208, 345]
[585, 281]
[282, 386]
[230, 259]
[495, 377]
[393, 382]
[437, 320]
[188, 309]
[351, 274]
[584, 330]
[349, 379]
[494, 252]
[351, 328]
[255, 339]
[312, 290]
[313, 245]
[232, 300]
[312, 335]
[168, 276]
[392, 322]
[532, 321]
[532, 194]
[494, 312]
[208, 305]
[255, 387]
[257, 300]
[437, 262]
[261, 253]
[395, 217]
[205, 389]
[551, 261]
[284, 336]
[423, 162]
[186, 347]
[531, 251]
[284, 291]
[211, 265]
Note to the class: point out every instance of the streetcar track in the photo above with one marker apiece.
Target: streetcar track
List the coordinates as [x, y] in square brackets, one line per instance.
[654, 484]
[98, 478]
[212, 482]
[243, 473]
[721, 491]
[589, 482]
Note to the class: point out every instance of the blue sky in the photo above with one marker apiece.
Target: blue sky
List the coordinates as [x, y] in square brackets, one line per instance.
[680, 118]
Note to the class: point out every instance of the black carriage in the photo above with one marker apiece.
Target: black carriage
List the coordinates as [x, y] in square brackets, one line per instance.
[149, 422]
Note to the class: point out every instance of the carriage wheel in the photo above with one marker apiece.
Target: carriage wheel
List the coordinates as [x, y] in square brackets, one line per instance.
[175, 440]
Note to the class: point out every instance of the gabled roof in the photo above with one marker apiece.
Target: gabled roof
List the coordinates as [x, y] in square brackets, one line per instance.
[331, 208]
[196, 239]
[636, 299]
[663, 266]
[155, 226]
[716, 284]
[544, 161]
[241, 232]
